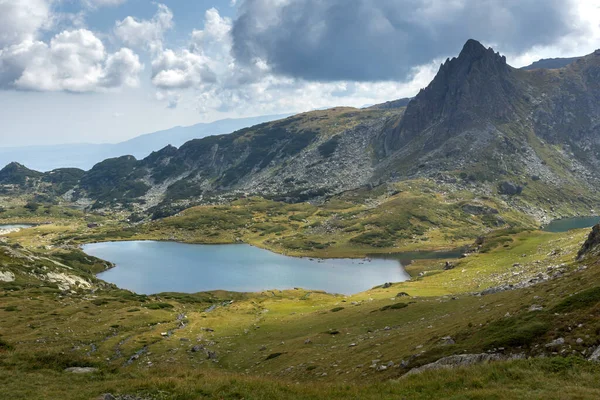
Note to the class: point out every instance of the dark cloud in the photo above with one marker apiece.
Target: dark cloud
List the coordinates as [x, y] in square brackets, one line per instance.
[371, 40]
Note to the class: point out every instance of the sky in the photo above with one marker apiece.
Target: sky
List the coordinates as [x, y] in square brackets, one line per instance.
[104, 71]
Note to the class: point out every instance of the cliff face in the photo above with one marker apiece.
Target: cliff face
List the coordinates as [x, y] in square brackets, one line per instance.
[477, 85]
[591, 247]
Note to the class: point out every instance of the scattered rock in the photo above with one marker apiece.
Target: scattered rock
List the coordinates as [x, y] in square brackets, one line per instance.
[402, 294]
[535, 307]
[387, 285]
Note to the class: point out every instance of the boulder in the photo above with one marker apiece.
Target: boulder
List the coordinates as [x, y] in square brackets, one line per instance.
[509, 188]
[462, 360]
[595, 357]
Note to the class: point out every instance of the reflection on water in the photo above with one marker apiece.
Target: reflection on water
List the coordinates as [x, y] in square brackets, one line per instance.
[154, 267]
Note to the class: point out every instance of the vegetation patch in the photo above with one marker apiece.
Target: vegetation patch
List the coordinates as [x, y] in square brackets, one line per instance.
[395, 306]
[158, 306]
[585, 299]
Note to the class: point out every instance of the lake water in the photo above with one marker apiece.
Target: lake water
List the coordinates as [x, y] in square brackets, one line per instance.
[566, 224]
[152, 267]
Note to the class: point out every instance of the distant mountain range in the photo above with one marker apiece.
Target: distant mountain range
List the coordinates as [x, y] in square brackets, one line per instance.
[85, 156]
[551, 63]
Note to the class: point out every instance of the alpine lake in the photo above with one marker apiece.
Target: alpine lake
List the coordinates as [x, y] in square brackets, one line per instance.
[149, 267]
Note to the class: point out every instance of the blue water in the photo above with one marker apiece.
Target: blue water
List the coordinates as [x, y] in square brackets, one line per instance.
[153, 267]
[566, 224]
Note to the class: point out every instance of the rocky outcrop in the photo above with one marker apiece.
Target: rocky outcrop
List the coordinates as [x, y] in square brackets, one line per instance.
[463, 360]
[7, 276]
[509, 188]
[591, 247]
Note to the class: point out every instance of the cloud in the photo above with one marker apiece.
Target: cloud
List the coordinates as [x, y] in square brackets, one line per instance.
[74, 61]
[208, 55]
[20, 20]
[376, 40]
[145, 33]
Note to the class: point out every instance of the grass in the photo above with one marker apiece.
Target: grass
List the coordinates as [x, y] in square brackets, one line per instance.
[298, 343]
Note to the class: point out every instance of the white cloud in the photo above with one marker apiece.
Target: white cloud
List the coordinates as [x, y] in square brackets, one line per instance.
[145, 33]
[73, 61]
[21, 20]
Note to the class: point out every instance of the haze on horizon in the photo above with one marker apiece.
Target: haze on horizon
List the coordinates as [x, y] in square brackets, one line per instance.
[104, 71]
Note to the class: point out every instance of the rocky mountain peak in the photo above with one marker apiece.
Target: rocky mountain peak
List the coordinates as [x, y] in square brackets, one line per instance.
[473, 51]
[477, 85]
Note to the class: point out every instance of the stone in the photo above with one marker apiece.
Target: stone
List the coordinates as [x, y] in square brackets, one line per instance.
[447, 340]
[307, 341]
[81, 370]
[555, 343]
[7, 276]
[535, 307]
[462, 360]
[402, 294]
[595, 357]
[509, 188]
[448, 266]
[387, 285]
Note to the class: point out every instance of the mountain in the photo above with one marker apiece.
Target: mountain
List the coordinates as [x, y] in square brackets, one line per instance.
[528, 138]
[551, 63]
[84, 156]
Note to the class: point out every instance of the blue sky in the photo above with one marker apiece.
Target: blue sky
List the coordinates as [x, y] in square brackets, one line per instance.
[108, 70]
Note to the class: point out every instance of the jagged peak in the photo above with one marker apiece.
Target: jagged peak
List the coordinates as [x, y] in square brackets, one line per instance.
[472, 52]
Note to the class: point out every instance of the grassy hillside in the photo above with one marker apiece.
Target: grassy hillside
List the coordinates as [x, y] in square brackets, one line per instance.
[303, 344]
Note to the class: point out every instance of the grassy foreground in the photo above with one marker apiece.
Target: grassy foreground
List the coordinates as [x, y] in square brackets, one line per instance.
[298, 343]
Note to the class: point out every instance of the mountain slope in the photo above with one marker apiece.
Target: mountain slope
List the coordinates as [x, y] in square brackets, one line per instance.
[84, 156]
[528, 138]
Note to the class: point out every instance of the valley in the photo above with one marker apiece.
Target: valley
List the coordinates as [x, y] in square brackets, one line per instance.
[493, 167]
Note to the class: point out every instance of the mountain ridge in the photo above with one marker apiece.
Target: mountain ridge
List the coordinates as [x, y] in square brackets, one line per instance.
[480, 125]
